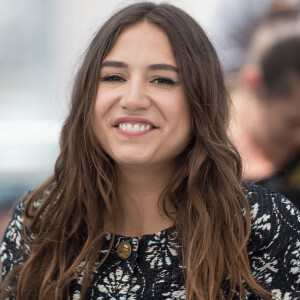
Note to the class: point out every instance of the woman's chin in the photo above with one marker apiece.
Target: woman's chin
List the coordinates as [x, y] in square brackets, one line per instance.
[132, 161]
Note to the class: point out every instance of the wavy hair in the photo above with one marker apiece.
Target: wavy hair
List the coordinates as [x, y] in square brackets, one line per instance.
[213, 216]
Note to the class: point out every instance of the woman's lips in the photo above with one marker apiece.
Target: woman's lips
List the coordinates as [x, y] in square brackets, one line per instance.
[133, 126]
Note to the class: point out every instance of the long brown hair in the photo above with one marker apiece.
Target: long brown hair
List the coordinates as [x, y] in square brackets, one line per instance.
[213, 216]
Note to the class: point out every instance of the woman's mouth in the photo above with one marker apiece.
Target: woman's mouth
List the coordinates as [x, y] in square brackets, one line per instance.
[134, 127]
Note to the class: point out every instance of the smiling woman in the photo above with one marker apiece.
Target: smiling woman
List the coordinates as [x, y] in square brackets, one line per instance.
[141, 115]
[146, 201]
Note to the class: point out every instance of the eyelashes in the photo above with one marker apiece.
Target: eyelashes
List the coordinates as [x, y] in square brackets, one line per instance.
[163, 81]
[159, 80]
[113, 78]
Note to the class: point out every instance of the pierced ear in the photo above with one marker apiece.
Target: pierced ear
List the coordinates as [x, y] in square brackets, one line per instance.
[251, 76]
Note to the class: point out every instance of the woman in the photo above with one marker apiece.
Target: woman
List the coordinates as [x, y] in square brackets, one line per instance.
[146, 199]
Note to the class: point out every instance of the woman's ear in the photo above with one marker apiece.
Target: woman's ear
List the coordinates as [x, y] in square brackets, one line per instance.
[251, 77]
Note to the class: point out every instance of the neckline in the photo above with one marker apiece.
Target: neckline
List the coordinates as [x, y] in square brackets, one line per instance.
[150, 236]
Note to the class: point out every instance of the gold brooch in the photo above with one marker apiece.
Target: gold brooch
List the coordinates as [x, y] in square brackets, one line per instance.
[124, 250]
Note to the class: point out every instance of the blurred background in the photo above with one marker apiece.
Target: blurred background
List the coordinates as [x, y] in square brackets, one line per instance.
[42, 43]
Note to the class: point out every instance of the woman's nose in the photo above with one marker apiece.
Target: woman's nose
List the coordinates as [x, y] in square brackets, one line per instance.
[135, 96]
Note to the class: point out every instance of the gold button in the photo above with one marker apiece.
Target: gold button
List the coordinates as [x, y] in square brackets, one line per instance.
[124, 250]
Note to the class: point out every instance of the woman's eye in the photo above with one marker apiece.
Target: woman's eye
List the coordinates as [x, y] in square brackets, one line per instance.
[113, 78]
[163, 81]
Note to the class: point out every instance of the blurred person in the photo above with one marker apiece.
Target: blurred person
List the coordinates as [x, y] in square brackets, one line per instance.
[146, 200]
[231, 25]
[265, 91]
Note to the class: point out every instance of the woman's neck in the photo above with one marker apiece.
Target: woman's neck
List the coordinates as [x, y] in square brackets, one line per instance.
[139, 191]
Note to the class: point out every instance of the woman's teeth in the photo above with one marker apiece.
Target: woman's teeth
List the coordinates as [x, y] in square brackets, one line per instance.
[134, 127]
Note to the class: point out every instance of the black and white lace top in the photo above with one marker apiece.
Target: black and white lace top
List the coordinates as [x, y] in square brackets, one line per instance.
[153, 269]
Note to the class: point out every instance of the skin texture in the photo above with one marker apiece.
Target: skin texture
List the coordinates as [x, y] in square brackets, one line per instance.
[139, 84]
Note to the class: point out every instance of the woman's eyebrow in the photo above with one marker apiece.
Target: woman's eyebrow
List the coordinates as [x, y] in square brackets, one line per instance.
[164, 67]
[115, 64]
[153, 67]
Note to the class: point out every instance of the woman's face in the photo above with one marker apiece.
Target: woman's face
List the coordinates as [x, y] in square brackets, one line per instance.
[141, 115]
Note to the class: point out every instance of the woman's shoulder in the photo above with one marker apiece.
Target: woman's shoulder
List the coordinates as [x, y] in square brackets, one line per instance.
[273, 216]
[15, 226]
[19, 207]
[274, 242]
[266, 204]
[275, 221]
[14, 250]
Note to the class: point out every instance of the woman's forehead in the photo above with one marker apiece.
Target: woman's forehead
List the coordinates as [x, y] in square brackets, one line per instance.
[147, 41]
